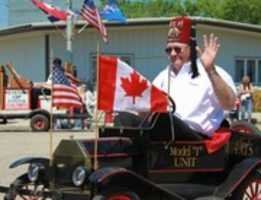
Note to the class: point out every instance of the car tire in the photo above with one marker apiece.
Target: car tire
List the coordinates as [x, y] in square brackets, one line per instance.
[245, 128]
[119, 194]
[22, 183]
[249, 189]
[40, 122]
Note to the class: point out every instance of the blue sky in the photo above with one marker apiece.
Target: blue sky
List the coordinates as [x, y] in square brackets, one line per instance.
[3, 11]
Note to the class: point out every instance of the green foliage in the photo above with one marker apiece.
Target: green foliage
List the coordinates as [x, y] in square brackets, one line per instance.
[236, 10]
[210, 8]
[155, 8]
[243, 11]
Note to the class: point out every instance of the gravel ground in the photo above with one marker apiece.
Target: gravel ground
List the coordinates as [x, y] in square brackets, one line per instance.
[17, 141]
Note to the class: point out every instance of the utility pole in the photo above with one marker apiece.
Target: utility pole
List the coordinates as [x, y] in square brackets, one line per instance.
[69, 33]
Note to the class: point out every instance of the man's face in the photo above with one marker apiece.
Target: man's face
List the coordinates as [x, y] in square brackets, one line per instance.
[178, 53]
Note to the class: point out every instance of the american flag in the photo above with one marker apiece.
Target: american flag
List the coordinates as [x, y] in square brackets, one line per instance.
[65, 94]
[91, 14]
[73, 80]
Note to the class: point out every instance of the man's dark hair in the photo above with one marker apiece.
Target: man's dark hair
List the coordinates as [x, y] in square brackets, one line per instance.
[57, 61]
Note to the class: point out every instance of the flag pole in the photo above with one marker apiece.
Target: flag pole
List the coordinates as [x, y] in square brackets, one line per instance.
[83, 27]
[69, 38]
[69, 33]
[170, 114]
[51, 117]
[96, 110]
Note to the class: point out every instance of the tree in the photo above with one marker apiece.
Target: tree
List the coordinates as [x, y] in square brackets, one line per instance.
[235, 10]
[243, 11]
[210, 8]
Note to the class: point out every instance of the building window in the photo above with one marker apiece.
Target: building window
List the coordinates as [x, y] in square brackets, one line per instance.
[250, 67]
[128, 58]
[239, 70]
[259, 71]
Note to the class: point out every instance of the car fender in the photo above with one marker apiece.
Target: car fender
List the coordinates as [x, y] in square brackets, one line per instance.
[39, 111]
[28, 160]
[237, 176]
[113, 176]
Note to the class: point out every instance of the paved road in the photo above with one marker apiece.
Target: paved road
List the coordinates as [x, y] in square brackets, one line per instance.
[17, 141]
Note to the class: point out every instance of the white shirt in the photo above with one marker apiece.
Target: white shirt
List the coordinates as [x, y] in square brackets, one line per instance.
[196, 102]
[90, 102]
[90, 98]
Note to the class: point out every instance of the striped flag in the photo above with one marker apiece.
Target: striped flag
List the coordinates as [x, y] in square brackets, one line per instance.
[54, 14]
[90, 13]
[64, 93]
[73, 80]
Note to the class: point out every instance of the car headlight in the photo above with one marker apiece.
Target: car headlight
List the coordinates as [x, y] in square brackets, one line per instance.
[33, 172]
[79, 175]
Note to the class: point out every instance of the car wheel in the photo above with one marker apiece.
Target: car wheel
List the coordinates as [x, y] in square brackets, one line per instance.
[118, 195]
[250, 189]
[22, 188]
[40, 122]
[245, 128]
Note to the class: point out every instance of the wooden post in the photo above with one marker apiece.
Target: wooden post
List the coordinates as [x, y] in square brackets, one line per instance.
[2, 86]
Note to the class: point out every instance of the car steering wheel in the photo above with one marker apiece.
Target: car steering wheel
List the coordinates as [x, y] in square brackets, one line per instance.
[172, 105]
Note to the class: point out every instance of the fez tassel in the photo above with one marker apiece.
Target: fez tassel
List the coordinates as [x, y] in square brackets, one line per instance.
[121, 88]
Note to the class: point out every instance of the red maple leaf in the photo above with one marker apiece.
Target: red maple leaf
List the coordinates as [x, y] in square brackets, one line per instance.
[135, 86]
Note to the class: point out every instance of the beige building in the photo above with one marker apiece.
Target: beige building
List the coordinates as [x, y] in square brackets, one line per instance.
[140, 42]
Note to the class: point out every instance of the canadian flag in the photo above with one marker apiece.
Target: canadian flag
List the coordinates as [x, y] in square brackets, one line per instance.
[121, 88]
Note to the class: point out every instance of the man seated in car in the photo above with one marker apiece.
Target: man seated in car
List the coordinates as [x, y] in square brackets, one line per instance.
[201, 90]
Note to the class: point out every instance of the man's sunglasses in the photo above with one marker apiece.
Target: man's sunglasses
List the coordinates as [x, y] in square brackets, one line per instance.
[176, 49]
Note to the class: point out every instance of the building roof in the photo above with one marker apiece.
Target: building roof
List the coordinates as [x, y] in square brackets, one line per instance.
[132, 22]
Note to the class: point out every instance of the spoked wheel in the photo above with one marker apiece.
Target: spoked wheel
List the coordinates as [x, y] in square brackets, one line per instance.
[123, 196]
[118, 195]
[250, 188]
[23, 189]
[245, 128]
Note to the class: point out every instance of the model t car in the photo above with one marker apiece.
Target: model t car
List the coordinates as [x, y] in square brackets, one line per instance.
[146, 162]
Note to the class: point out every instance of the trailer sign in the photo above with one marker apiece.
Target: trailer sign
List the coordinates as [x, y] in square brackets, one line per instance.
[17, 99]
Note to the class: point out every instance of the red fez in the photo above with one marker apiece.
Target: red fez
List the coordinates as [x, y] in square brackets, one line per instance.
[180, 30]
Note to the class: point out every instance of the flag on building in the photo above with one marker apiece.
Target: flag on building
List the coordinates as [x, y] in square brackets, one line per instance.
[112, 12]
[64, 93]
[121, 88]
[90, 13]
[54, 14]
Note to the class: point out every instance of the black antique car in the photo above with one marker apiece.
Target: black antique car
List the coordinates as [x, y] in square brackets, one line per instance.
[146, 162]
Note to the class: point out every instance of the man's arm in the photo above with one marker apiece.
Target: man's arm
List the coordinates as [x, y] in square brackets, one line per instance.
[223, 91]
